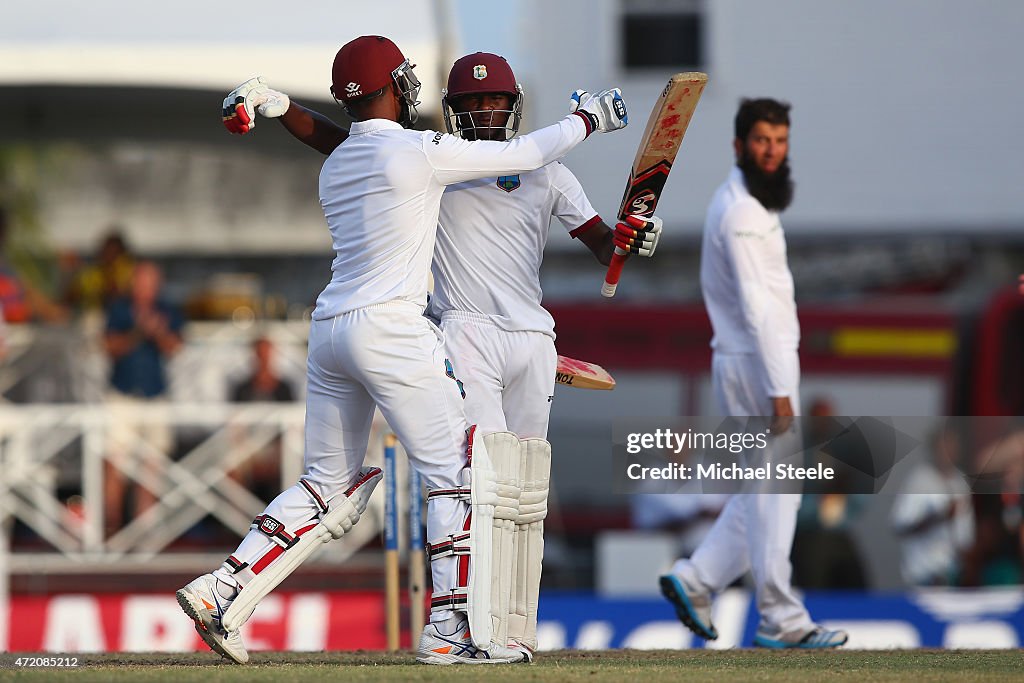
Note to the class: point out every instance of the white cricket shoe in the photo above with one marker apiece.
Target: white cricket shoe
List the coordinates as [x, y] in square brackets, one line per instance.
[458, 648]
[814, 638]
[201, 601]
[693, 606]
[525, 649]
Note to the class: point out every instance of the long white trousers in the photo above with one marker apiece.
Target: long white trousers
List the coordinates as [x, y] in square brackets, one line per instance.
[754, 531]
[387, 355]
[509, 376]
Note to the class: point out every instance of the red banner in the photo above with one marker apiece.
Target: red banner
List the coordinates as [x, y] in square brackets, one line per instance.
[147, 623]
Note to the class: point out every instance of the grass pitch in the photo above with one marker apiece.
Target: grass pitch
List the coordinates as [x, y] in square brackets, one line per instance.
[920, 666]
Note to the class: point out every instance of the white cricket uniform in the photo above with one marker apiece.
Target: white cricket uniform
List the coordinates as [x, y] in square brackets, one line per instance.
[748, 293]
[369, 342]
[487, 294]
[930, 556]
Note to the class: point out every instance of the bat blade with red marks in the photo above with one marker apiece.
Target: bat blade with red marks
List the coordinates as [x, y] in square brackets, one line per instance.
[582, 375]
[654, 157]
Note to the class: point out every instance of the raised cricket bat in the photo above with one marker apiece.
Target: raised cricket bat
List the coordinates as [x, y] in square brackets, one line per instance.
[658, 147]
[582, 375]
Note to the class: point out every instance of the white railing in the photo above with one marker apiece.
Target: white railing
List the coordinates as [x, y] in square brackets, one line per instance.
[44, 448]
[47, 450]
[60, 439]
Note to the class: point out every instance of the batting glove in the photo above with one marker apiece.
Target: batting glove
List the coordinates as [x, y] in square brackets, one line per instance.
[638, 235]
[248, 99]
[604, 112]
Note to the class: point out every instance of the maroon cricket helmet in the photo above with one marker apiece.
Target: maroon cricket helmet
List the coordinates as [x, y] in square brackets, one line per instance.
[368, 64]
[481, 73]
[363, 66]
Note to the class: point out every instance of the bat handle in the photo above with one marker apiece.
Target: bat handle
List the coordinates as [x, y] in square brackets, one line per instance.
[611, 278]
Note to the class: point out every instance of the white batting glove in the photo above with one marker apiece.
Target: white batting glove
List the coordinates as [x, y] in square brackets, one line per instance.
[252, 97]
[605, 111]
[638, 235]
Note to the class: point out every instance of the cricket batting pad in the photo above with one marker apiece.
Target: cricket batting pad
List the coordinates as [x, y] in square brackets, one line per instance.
[342, 514]
[488, 486]
[506, 456]
[534, 480]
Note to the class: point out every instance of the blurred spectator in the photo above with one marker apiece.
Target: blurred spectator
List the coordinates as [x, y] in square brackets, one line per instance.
[997, 555]
[932, 515]
[97, 285]
[20, 300]
[261, 472]
[689, 515]
[13, 298]
[264, 384]
[824, 552]
[143, 331]
[42, 369]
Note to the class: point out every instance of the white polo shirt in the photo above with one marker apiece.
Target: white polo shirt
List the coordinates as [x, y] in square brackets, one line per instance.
[490, 244]
[381, 189]
[746, 283]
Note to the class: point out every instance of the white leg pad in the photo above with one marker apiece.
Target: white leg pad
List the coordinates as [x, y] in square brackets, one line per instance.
[495, 505]
[489, 486]
[534, 480]
[506, 456]
[342, 514]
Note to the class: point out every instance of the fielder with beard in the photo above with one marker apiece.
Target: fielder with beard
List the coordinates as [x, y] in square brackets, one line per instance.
[748, 291]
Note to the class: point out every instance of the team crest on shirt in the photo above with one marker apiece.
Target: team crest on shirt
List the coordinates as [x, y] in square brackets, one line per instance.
[509, 182]
[480, 72]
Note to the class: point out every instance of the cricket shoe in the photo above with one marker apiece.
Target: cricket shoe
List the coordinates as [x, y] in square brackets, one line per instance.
[201, 601]
[693, 607]
[815, 638]
[525, 649]
[458, 648]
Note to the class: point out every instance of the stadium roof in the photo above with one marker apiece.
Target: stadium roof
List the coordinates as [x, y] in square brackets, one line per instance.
[210, 46]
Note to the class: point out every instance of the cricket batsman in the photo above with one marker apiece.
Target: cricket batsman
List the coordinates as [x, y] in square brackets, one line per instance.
[370, 344]
[487, 292]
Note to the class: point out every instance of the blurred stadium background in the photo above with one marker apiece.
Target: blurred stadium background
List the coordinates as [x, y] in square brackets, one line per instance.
[905, 239]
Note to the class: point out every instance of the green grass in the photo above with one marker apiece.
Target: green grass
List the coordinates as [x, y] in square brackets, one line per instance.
[920, 666]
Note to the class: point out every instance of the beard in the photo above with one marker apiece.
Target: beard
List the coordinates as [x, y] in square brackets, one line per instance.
[773, 190]
[471, 134]
[482, 128]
